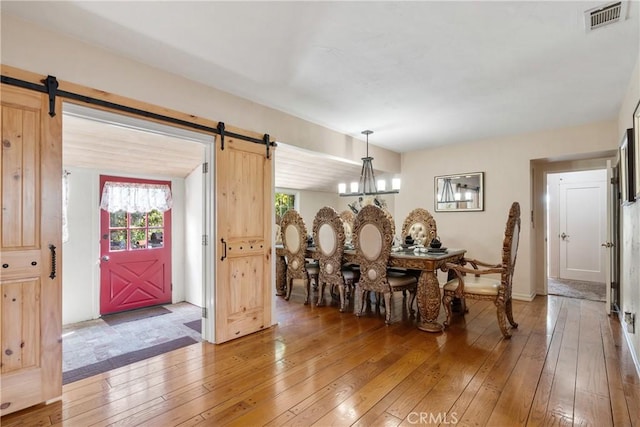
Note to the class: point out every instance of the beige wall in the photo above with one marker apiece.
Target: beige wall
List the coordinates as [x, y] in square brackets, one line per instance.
[506, 163]
[630, 226]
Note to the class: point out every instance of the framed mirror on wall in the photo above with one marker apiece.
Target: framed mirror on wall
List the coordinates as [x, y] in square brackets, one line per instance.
[459, 193]
[627, 183]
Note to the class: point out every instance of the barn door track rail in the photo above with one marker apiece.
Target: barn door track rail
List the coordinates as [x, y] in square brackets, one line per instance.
[50, 87]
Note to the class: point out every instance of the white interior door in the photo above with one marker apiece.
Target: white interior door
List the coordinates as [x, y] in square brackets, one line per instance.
[582, 230]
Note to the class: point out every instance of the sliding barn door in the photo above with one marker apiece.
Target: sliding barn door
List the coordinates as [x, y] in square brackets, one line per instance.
[243, 216]
[30, 221]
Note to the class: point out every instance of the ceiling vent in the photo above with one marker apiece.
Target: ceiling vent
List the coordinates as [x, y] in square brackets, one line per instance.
[605, 15]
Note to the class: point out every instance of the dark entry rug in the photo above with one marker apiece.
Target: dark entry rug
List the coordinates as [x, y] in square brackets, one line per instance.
[128, 316]
[196, 325]
[124, 359]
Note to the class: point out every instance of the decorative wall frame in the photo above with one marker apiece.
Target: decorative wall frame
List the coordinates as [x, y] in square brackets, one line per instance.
[459, 193]
[627, 178]
[636, 148]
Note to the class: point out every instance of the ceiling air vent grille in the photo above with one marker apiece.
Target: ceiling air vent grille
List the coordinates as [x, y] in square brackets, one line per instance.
[605, 15]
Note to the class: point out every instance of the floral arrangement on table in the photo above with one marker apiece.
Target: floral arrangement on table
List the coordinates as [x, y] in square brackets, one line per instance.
[363, 201]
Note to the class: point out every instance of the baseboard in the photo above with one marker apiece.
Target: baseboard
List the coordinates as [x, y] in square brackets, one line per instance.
[55, 399]
[627, 337]
[523, 297]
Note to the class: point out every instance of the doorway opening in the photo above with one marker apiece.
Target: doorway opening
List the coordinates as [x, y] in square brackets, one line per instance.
[99, 144]
[576, 229]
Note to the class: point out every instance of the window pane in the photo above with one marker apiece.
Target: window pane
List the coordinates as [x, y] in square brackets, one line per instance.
[138, 238]
[118, 240]
[156, 218]
[284, 202]
[118, 219]
[138, 220]
[156, 239]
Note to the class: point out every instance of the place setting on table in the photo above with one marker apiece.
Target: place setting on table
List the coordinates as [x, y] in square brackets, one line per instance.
[411, 247]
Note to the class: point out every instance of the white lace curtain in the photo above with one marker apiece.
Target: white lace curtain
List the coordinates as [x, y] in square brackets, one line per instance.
[134, 197]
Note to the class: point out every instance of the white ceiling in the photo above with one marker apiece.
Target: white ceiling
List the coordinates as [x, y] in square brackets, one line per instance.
[419, 74]
[109, 146]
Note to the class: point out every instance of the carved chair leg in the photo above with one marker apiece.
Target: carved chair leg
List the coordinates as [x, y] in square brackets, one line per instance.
[502, 319]
[348, 290]
[509, 309]
[321, 286]
[313, 281]
[387, 307]
[289, 285]
[361, 298]
[378, 296]
[334, 292]
[412, 294]
[367, 300]
[343, 300]
[307, 290]
[446, 301]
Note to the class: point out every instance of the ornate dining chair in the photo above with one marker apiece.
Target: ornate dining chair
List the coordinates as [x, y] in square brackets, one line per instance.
[294, 240]
[329, 235]
[421, 226]
[373, 234]
[474, 283]
[348, 218]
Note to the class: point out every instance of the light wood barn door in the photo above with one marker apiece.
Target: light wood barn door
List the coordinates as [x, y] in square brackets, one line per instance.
[30, 221]
[243, 264]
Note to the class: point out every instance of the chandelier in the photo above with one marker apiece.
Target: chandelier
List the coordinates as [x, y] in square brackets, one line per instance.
[367, 185]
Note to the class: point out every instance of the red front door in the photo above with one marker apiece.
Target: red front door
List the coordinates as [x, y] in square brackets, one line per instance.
[135, 256]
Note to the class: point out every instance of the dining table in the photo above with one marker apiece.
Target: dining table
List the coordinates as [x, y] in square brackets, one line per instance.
[427, 262]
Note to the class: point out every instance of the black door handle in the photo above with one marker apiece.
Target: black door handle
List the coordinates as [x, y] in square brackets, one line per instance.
[53, 261]
[224, 255]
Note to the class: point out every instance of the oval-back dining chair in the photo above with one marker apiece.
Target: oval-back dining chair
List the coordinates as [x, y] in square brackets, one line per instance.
[294, 240]
[373, 235]
[474, 283]
[348, 218]
[329, 235]
[421, 226]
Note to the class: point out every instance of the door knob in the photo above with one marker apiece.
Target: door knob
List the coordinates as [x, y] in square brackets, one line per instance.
[564, 236]
[105, 258]
[608, 245]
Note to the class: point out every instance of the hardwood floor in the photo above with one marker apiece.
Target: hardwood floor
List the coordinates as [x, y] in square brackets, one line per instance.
[567, 363]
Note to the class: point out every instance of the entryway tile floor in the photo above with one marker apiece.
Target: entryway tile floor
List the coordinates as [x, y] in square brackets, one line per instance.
[93, 345]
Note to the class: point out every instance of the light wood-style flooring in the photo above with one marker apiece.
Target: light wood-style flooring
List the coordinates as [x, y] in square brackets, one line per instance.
[567, 364]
